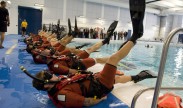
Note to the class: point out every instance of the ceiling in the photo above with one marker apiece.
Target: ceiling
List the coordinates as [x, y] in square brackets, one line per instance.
[160, 7]
[159, 4]
[165, 6]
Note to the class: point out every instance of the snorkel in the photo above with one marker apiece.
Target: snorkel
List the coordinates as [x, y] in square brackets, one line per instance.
[42, 82]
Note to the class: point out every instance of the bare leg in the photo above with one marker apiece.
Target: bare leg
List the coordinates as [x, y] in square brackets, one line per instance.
[75, 51]
[49, 37]
[2, 38]
[94, 47]
[40, 33]
[122, 79]
[102, 60]
[66, 40]
[22, 33]
[123, 52]
[107, 76]
[65, 37]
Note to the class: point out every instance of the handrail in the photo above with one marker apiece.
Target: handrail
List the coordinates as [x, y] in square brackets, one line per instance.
[162, 65]
[161, 71]
[147, 89]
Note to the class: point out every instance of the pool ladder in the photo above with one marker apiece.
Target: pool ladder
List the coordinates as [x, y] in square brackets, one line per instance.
[160, 73]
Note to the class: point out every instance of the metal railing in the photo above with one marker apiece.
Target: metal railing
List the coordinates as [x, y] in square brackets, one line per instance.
[160, 72]
[152, 88]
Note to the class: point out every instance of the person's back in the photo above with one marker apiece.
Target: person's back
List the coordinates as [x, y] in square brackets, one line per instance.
[24, 24]
[3, 14]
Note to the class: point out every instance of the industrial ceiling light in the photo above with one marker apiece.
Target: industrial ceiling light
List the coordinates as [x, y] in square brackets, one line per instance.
[166, 3]
[178, 3]
[39, 5]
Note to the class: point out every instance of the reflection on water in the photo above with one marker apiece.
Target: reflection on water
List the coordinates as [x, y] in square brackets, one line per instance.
[41, 98]
[178, 60]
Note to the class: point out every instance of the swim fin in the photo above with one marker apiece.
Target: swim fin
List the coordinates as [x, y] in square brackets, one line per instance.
[110, 31]
[145, 74]
[137, 11]
[69, 25]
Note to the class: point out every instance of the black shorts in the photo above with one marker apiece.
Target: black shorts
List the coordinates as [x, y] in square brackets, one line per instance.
[3, 26]
[96, 88]
[23, 29]
[78, 65]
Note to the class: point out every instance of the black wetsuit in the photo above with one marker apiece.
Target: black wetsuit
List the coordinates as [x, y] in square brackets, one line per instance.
[3, 19]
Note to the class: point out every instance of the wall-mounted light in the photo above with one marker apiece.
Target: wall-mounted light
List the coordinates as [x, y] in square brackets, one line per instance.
[9, 2]
[39, 5]
[81, 16]
[99, 18]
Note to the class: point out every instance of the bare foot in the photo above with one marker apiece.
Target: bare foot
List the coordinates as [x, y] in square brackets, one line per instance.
[1, 47]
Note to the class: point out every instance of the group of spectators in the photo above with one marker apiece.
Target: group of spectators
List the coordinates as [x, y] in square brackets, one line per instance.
[98, 33]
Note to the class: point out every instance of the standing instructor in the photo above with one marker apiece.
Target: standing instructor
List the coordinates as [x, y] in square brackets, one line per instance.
[24, 27]
[4, 22]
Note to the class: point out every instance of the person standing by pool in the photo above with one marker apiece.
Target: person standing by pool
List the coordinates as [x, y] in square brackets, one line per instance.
[4, 22]
[24, 25]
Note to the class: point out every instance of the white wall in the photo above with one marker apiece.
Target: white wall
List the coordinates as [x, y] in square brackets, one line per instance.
[151, 25]
[13, 11]
[63, 9]
[177, 23]
[170, 22]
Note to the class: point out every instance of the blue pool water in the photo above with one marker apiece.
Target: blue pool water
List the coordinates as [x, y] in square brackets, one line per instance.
[16, 90]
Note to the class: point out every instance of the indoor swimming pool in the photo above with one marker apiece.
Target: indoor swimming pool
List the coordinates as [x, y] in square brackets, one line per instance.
[16, 90]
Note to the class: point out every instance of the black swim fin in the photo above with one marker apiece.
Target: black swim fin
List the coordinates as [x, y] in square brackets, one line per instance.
[137, 11]
[81, 46]
[75, 33]
[110, 31]
[145, 74]
[70, 29]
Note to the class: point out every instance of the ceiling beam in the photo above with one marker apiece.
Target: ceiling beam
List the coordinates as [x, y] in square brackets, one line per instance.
[122, 5]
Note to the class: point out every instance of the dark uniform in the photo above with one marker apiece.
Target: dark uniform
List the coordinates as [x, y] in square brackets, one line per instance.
[3, 19]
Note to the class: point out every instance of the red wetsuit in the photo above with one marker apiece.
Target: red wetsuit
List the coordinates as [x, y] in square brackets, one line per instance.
[38, 59]
[73, 95]
[61, 66]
